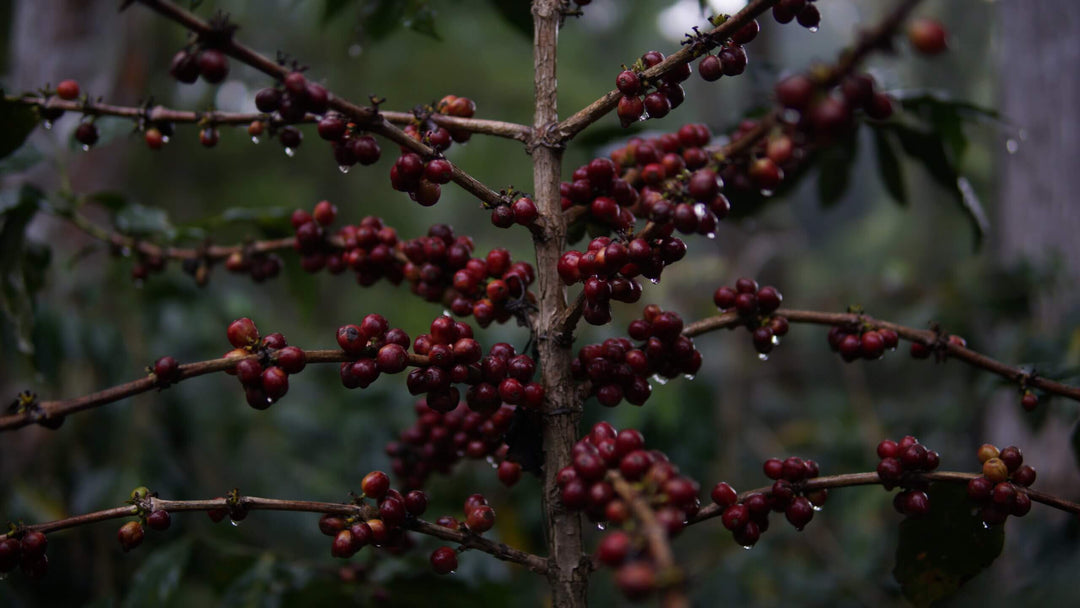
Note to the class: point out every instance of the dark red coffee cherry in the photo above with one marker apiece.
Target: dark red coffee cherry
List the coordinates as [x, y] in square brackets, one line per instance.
[444, 560]
[213, 65]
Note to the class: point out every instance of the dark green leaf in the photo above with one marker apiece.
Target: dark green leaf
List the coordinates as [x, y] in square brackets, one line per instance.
[332, 8]
[23, 159]
[159, 575]
[17, 121]
[15, 295]
[134, 219]
[947, 117]
[273, 221]
[517, 14]
[381, 17]
[941, 551]
[835, 170]
[888, 164]
[422, 21]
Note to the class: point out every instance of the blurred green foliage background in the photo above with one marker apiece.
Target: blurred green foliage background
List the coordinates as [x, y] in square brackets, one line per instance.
[94, 327]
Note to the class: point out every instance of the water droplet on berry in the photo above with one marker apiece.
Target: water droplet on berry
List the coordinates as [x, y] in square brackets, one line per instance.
[699, 210]
[600, 526]
[688, 376]
[343, 168]
[747, 547]
[776, 340]
[812, 30]
[766, 192]
[815, 507]
[48, 125]
[710, 235]
[1011, 146]
[654, 281]
[85, 148]
[659, 379]
[985, 526]
[763, 357]
[289, 152]
[234, 523]
[164, 139]
[254, 139]
[491, 460]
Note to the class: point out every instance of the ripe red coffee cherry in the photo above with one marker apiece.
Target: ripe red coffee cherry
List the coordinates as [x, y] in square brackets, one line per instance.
[375, 485]
[795, 91]
[444, 560]
[208, 137]
[86, 134]
[9, 555]
[614, 548]
[213, 65]
[630, 110]
[154, 139]
[636, 580]
[67, 89]
[159, 520]
[628, 83]
[525, 212]
[392, 359]
[268, 100]
[242, 333]
[167, 370]
[275, 383]
[481, 519]
[927, 36]
[130, 535]
[184, 67]
[296, 83]
[1029, 401]
[438, 171]
[799, 512]
[343, 545]
[331, 127]
[291, 359]
[33, 543]
[657, 105]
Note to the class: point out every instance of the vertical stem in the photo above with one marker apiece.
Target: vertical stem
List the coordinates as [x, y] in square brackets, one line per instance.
[567, 573]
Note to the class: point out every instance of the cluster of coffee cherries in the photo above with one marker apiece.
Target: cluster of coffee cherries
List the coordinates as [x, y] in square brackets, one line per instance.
[380, 525]
[291, 102]
[583, 485]
[1000, 489]
[439, 440]
[25, 550]
[608, 271]
[748, 518]
[379, 348]
[349, 145]
[755, 307]
[898, 460]
[130, 535]
[522, 212]
[190, 63]
[617, 369]
[923, 351]
[265, 378]
[440, 268]
[637, 102]
[479, 518]
[260, 266]
[731, 59]
[422, 179]
[854, 342]
[802, 11]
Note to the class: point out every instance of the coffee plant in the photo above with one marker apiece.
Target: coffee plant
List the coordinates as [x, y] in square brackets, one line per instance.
[526, 359]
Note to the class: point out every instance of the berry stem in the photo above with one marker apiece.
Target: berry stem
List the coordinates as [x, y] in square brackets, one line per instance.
[674, 595]
[925, 337]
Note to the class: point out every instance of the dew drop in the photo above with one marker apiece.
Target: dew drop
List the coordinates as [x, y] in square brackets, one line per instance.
[254, 139]
[766, 192]
[289, 152]
[688, 376]
[985, 526]
[710, 235]
[85, 148]
[812, 30]
[659, 379]
[763, 357]
[816, 508]
[234, 523]
[600, 526]
[700, 210]
[1011, 146]
[490, 460]
[47, 124]
[776, 340]
[164, 139]
[654, 281]
[747, 547]
[343, 168]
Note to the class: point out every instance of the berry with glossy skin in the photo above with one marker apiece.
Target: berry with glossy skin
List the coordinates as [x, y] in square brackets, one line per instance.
[213, 65]
[799, 512]
[159, 520]
[184, 67]
[375, 484]
[9, 555]
[927, 36]
[628, 83]
[67, 89]
[480, 519]
[130, 535]
[1029, 401]
[444, 560]
[614, 548]
[208, 137]
[86, 134]
[167, 370]
[630, 110]
[33, 544]
[525, 212]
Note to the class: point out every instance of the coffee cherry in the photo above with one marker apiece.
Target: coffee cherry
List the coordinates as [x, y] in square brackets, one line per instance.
[375, 485]
[795, 92]
[927, 36]
[167, 371]
[290, 138]
[525, 212]
[268, 100]
[995, 470]
[330, 525]
[444, 560]
[614, 548]
[799, 512]
[1012, 457]
[809, 17]
[630, 110]
[213, 65]
[481, 519]
[9, 555]
[184, 67]
[628, 83]
[1024, 476]
[33, 544]
[159, 520]
[67, 89]
[154, 139]
[1029, 401]
[392, 359]
[130, 535]
[657, 105]
[986, 452]
[343, 545]
[208, 137]
[86, 134]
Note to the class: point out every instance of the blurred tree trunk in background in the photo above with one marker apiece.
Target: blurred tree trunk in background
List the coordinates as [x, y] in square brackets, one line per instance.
[1040, 183]
[1039, 214]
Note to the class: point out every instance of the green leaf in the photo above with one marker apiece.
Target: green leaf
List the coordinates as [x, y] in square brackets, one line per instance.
[422, 21]
[133, 219]
[517, 14]
[159, 575]
[381, 17]
[834, 175]
[888, 164]
[272, 221]
[947, 117]
[23, 159]
[944, 549]
[17, 121]
[15, 295]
